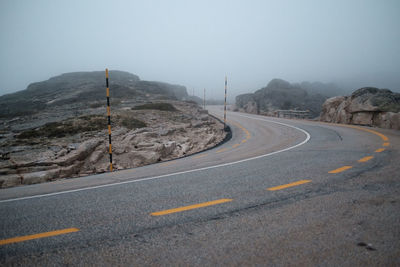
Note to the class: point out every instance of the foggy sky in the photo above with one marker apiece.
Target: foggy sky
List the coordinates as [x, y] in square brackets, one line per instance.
[197, 43]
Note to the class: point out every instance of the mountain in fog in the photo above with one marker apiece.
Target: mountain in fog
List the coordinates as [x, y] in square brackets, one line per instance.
[85, 87]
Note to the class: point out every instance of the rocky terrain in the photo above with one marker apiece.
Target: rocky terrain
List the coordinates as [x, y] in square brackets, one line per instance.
[280, 95]
[366, 106]
[58, 128]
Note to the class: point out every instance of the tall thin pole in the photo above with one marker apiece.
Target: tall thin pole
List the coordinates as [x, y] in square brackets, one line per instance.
[226, 84]
[204, 99]
[109, 122]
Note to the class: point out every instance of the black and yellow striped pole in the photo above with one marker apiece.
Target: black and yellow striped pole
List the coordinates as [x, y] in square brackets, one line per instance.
[109, 121]
[226, 84]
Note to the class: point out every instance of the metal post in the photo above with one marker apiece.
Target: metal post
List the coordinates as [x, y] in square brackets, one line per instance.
[226, 83]
[204, 99]
[109, 122]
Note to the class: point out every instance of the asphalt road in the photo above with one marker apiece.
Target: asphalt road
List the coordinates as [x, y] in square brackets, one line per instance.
[280, 192]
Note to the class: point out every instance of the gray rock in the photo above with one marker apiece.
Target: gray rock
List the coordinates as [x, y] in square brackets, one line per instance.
[366, 106]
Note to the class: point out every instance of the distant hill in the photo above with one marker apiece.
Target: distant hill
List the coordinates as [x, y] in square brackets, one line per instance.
[282, 95]
[85, 87]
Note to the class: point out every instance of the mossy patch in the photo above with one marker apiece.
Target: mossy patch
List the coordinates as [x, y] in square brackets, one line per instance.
[156, 106]
[81, 124]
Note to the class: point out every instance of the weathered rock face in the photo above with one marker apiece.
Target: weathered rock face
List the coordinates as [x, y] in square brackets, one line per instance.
[366, 106]
[280, 95]
[70, 148]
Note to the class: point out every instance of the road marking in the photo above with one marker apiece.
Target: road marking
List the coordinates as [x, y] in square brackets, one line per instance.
[168, 163]
[248, 135]
[244, 140]
[221, 150]
[386, 144]
[37, 236]
[235, 145]
[176, 173]
[288, 185]
[191, 207]
[382, 136]
[341, 169]
[365, 159]
[380, 150]
[200, 156]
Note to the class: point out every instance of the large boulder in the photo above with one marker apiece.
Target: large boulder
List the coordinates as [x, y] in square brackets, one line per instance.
[366, 106]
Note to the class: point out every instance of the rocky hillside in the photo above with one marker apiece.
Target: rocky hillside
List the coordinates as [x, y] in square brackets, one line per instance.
[84, 88]
[280, 95]
[58, 128]
[366, 106]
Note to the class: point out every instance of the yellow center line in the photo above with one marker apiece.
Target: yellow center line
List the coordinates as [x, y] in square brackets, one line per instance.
[221, 150]
[199, 156]
[382, 136]
[248, 135]
[37, 236]
[386, 144]
[168, 163]
[235, 145]
[341, 169]
[365, 159]
[191, 207]
[380, 150]
[244, 140]
[288, 185]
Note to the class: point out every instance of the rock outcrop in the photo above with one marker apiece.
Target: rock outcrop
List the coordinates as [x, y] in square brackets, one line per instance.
[366, 106]
[280, 95]
[70, 148]
[58, 128]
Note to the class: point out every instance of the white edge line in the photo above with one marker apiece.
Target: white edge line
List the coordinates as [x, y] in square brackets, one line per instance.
[176, 173]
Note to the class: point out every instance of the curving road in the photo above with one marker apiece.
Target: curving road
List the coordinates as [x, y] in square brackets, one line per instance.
[280, 192]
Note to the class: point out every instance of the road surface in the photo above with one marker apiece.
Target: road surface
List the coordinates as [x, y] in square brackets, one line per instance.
[280, 192]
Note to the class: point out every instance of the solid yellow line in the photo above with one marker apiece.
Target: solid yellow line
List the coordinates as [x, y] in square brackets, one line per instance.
[288, 185]
[380, 150]
[386, 144]
[221, 150]
[365, 159]
[341, 169]
[36, 236]
[235, 145]
[191, 207]
[384, 138]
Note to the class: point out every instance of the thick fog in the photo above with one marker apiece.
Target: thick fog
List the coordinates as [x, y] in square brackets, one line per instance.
[196, 43]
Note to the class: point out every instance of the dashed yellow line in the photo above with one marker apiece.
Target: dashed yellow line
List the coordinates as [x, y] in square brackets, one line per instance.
[191, 207]
[341, 169]
[168, 163]
[37, 236]
[200, 156]
[235, 145]
[380, 150]
[221, 150]
[386, 144]
[288, 185]
[365, 159]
